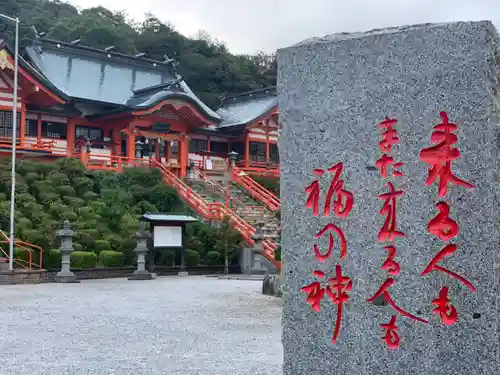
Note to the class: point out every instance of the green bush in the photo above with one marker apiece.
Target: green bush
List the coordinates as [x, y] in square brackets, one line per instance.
[52, 259]
[90, 196]
[270, 183]
[77, 246]
[168, 258]
[212, 258]
[100, 245]
[23, 255]
[110, 258]
[192, 258]
[277, 254]
[83, 259]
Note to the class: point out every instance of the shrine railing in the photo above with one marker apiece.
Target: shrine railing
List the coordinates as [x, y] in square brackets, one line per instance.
[255, 189]
[216, 211]
[218, 188]
[26, 247]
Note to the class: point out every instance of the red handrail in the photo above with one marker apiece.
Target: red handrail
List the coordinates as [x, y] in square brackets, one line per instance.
[216, 211]
[22, 245]
[217, 187]
[255, 189]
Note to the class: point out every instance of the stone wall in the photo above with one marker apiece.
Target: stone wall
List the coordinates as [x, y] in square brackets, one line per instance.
[38, 277]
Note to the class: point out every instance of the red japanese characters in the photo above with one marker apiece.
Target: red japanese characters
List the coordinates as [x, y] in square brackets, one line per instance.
[439, 157]
[337, 287]
[343, 199]
[389, 231]
[442, 226]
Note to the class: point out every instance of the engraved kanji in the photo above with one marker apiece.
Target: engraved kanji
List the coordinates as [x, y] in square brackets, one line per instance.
[446, 311]
[337, 290]
[343, 200]
[343, 243]
[439, 157]
[388, 231]
[383, 291]
[433, 266]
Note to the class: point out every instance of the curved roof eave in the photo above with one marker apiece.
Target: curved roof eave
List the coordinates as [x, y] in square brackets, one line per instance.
[269, 112]
[148, 104]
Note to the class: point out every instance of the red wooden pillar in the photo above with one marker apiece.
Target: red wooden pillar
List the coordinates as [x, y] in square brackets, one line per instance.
[22, 125]
[183, 155]
[267, 146]
[247, 151]
[130, 145]
[70, 137]
[39, 129]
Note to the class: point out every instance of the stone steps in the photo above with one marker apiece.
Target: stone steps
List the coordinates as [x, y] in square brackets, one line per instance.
[246, 207]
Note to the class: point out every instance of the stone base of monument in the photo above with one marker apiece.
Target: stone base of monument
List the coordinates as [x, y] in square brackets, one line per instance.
[183, 274]
[66, 278]
[142, 275]
[271, 285]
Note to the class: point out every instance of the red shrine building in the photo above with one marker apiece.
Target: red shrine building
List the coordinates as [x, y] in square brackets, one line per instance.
[110, 109]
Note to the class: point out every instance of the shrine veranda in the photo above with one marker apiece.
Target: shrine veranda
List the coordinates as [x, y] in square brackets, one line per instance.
[388, 154]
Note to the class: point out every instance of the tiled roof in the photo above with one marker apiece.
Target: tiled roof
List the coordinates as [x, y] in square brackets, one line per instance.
[91, 74]
[247, 108]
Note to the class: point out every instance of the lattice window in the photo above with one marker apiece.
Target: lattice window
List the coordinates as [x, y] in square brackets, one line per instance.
[6, 123]
[198, 145]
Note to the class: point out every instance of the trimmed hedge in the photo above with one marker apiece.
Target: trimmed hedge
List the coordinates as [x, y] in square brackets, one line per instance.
[52, 261]
[100, 245]
[192, 258]
[83, 259]
[110, 258]
[168, 258]
[212, 258]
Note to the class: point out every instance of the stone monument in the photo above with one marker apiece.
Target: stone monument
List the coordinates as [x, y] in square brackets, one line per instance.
[389, 191]
[66, 235]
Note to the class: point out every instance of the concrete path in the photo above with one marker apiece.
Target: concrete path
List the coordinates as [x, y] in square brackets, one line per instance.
[188, 326]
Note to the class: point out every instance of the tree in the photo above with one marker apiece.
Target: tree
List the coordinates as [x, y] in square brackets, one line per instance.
[228, 243]
[205, 63]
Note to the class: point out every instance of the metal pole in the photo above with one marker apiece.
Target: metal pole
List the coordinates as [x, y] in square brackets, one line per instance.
[14, 140]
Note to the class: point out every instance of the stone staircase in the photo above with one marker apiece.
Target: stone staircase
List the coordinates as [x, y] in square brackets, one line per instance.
[241, 203]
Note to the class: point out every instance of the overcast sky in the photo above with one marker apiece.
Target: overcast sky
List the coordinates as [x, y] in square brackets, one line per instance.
[248, 26]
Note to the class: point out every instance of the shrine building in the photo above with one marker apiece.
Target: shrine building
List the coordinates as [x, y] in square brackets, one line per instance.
[110, 109]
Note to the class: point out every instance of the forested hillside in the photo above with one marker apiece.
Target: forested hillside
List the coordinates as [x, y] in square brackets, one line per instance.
[206, 65]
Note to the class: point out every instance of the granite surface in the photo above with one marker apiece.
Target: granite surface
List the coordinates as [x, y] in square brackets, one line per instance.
[332, 92]
[191, 325]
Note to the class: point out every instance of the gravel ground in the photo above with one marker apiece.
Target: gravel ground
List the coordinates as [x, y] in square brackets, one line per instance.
[189, 326]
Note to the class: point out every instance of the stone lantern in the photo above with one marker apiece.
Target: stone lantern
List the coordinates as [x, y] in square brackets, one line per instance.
[66, 235]
[258, 237]
[141, 250]
[233, 156]
[138, 148]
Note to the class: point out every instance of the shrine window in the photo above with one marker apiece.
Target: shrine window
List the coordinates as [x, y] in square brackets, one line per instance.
[274, 156]
[54, 130]
[239, 148]
[198, 145]
[31, 128]
[6, 123]
[257, 151]
[93, 134]
[218, 147]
